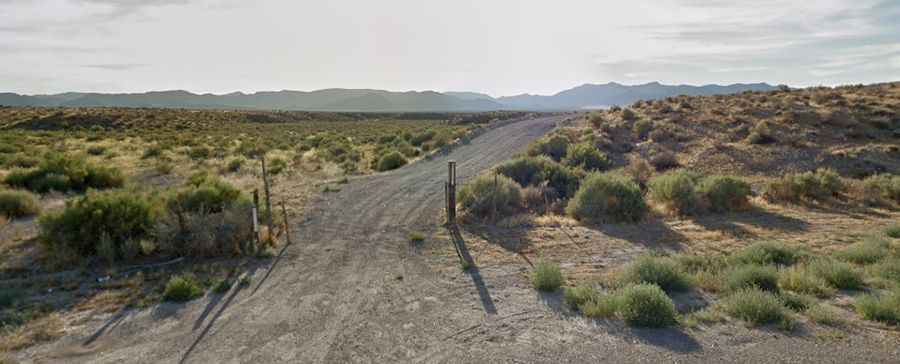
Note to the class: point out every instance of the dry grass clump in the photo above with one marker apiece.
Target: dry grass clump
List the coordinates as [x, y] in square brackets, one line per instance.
[547, 276]
[15, 204]
[818, 185]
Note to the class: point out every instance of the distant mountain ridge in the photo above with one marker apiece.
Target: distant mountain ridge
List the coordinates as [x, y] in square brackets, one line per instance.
[369, 100]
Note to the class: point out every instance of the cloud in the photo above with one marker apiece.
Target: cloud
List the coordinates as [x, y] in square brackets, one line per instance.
[115, 66]
[33, 17]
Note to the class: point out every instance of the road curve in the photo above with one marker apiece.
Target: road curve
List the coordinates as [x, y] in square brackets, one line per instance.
[332, 296]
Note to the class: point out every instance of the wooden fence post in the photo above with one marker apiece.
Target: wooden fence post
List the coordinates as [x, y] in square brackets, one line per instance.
[269, 212]
[255, 242]
[287, 230]
[451, 192]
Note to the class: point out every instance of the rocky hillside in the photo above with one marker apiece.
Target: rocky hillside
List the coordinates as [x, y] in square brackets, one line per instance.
[853, 129]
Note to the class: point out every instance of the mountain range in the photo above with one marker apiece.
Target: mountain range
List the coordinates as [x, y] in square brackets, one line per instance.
[586, 96]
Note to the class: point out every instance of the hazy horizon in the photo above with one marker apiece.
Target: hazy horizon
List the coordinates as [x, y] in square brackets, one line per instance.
[500, 48]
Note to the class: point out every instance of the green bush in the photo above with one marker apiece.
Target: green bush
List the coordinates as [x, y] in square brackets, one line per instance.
[641, 128]
[646, 305]
[96, 150]
[796, 302]
[677, 191]
[887, 186]
[16, 204]
[817, 185]
[554, 147]
[222, 286]
[751, 276]
[607, 196]
[62, 173]
[824, 314]
[602, 306]
[389, 161]
[887, 269]
[884, 308]
[893, 231]
[586, 157]
[724, 193]
[870, 250]
[575, 297]
[800, 280]
[546, 276]
[205, 193]
[525, 170]
[235, 164]
[490, 194]
[118, 215]
[564, 180]
[182, 289]
[423, 137]
[768, 253]
[754, 306]
[838, 274]
[661, 271]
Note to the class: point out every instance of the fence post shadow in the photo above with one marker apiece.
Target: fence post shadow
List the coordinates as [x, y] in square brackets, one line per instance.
[473, 271]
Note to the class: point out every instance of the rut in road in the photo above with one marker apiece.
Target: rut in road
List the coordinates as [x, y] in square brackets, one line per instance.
[347, 289]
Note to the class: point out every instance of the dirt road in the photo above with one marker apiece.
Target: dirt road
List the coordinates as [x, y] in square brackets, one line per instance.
[351, 289]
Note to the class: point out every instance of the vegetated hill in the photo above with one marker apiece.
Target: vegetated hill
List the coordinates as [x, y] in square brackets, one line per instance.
[366, 100]
[853, 129]
[598, 96]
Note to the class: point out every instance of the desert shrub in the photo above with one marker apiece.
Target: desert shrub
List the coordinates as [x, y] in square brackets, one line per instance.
[96, 150]
[607, 196]
[664, 161]
[641, 128]
[760, 134]
[724, 193]
[575, 297]
[204, 193]
[697, 263]
[235, 164]
[199, 153]
[639, 170]
[768, 253]
[585, 156]
[538, 199]
[14, 204]
[207, 234]
[525, 170]
[182, 289]
[546, 276]
[838, 274]
[817, 185]
[489, 192]
[152, 152]
[677, 191]
[661, 271]
[596, 119]
[22, 161]
[885, 185]
[752, 276]
[83, 223]
[796, 302]
[222, 286]
[893, 231]
[554, 147]
[423, 137]
[277, 166]
[628, 114]
[882, 308]
[602, 306]
[754, 306]
[824, 314]
[389, 161]
[563, 180]
[887, 269]
[868, 251]
[646, 305]
[58, 172]
[800, 280]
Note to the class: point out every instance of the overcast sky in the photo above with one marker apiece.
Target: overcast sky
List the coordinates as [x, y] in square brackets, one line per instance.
[498, 47]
